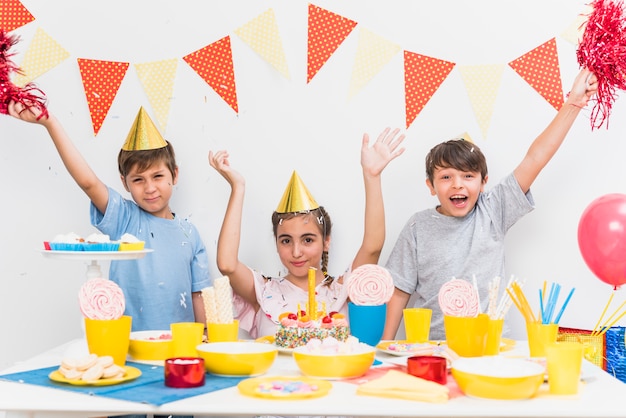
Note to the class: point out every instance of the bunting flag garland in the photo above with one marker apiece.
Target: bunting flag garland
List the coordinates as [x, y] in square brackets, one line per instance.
[422, 77]
[262, 35]
[157, 79]
[214, 63]
[540, 69]
[43, 54]
[326, 31]
[373, 53]
[482, 83]
[603, 51]
[13, 14]
[101, 81]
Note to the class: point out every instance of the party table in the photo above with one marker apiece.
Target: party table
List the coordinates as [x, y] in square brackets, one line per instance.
[601, 395]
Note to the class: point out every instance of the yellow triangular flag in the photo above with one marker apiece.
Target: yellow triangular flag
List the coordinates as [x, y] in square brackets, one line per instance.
[143, 135]
[43, 54]
[574, 32]
[297, 197]
[262, 35]
[157, 79]
[373, 53]
[482, 83]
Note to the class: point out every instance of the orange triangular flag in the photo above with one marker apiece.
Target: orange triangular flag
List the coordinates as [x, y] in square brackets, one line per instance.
[540, 69]
[326, 32]
[101, 81]
[422, 77]
[214, 63]
[13, 14]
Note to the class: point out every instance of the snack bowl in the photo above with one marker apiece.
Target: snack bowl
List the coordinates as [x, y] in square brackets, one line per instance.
[237, 358]
[334, 366]
[497, 377]
[150, 345]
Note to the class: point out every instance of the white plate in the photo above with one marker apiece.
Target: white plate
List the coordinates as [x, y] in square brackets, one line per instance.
[96, 255]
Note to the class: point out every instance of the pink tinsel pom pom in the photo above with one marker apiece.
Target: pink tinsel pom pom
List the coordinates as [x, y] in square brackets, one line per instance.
[602, 50]
[29, 95]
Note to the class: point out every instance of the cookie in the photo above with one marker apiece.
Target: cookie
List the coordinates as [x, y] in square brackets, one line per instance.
[113, 371]
[95, 372]
[70, 374]
[86, 362]
[105, 361]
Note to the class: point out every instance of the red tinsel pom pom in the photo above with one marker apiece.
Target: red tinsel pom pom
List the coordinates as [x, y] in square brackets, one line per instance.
[602, 50]
[29, 95]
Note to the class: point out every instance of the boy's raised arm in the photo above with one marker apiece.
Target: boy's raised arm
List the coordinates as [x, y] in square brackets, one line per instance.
[548, 142]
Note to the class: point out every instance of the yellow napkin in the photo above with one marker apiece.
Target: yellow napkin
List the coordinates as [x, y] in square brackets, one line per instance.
[396, 384]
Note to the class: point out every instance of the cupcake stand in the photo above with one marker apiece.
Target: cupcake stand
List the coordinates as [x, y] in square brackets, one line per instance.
[93, 268]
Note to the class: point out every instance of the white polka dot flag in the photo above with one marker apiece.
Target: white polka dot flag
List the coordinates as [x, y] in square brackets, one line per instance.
[13, 14]
[482, 83]
[157, 79]
[373, 53]
[42, 54]
[540, 69]
[422, 77]
[101, 81]
[262, 35]
[326, 31]
[214, 63]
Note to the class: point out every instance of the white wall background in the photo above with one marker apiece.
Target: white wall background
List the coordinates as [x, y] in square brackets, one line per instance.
[286, 124]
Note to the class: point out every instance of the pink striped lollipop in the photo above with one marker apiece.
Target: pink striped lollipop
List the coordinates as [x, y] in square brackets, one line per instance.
[369, 284]
[101, 299]
[458, 298]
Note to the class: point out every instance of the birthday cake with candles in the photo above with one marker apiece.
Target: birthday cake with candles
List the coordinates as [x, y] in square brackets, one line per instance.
[298, 328]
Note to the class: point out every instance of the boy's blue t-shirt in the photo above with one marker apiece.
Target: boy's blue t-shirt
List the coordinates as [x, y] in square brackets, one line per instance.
[158, 287]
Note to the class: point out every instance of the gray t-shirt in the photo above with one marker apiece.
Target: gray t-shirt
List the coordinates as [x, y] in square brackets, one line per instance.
[433, 248]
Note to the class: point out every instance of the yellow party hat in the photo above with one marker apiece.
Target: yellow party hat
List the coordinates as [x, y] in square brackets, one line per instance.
[143, 135]
[296, 197]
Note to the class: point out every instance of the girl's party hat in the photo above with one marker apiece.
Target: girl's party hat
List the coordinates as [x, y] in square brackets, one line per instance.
[296, 198]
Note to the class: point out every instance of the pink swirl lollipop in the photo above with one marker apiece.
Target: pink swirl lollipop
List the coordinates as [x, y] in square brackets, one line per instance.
[369, 284]
[101, 299]
[458, 298]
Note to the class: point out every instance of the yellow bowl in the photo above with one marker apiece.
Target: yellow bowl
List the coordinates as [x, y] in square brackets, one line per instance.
[335, 365]
[496, 377]
[150, 345]
[237, 358]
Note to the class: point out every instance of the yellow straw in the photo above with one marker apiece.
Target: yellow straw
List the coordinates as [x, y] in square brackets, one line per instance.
[595, 329]
[523, 302]
[516, 303]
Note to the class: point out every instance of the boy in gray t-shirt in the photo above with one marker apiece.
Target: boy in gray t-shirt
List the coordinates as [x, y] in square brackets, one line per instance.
[464, 235]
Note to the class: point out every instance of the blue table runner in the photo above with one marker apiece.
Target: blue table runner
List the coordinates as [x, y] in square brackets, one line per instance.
[148, 388]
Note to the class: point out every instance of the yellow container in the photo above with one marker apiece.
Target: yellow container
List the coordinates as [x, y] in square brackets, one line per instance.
[539, 336]
[494, 337]
[217, 333]
[109, 337]
[150, 345]
[467, 336]
[241, 358]
[336, 365]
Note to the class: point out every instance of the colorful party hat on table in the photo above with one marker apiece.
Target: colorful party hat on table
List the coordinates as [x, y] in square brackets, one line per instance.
[143, 135]
[297, 197]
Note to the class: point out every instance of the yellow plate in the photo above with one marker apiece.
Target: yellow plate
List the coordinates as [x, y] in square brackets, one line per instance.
[405, 348]
[131, 374]
[284, 387]
[269, 339]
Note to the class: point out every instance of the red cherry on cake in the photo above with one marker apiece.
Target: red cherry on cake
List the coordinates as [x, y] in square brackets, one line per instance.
[292, 316]
[302, 313]
[327, 320]
[333, 313]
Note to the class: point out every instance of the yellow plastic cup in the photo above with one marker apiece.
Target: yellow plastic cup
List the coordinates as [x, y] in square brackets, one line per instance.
[494, 336]
[540, 335]
[417, 324]
[186, 336]
[467, 336]
[564, 361]
[223, 332]
[109, 337]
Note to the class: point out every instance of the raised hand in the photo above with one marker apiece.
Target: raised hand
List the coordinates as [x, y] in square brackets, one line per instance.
[387, 147]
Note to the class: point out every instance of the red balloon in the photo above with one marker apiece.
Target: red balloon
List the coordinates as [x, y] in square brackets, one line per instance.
[602, 238]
